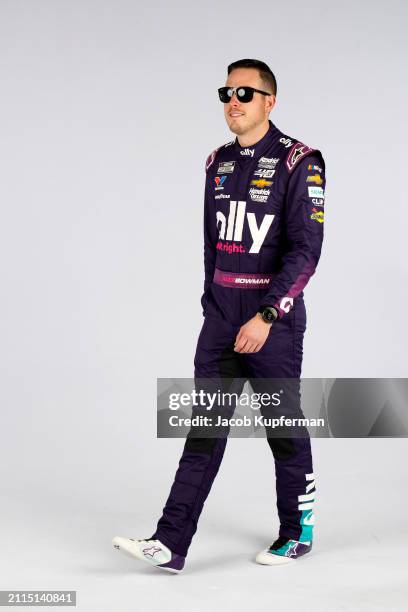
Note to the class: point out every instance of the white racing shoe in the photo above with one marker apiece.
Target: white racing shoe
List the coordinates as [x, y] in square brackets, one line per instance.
[151, 551]
[283, 550]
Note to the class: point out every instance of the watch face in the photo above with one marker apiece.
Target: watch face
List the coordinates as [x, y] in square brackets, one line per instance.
[269, 314]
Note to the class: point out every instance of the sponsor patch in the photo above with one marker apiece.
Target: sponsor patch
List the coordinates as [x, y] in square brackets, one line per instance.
[316, 192]
[230, 247]
[226, 167]
[249, 152]
[221, 196]
[210, 159]
[231, 225]
[313, 167]
[316, 178]
[317, 202]
[268, 162]
[264, 173]
[261, 183]
[317, 215]
[286, 303]
[286, 141]
[219, 181]
[259, 195]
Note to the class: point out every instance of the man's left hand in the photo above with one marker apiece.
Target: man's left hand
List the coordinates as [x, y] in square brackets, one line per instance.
[252, 336]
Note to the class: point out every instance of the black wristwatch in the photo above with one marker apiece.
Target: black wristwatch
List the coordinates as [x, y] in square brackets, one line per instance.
[268, 313]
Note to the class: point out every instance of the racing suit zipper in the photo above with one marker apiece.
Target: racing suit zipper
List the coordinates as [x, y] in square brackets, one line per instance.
[244, 168]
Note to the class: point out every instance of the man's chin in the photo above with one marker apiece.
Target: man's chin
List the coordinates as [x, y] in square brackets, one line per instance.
[236, 128]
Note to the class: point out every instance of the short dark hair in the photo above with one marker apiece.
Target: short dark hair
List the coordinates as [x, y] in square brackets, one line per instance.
[265, 72]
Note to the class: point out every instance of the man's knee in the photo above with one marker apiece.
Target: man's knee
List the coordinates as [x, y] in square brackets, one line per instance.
[200, 445]
[282, 448]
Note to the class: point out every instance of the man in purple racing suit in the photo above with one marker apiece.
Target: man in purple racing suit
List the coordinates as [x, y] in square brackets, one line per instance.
[263, 232]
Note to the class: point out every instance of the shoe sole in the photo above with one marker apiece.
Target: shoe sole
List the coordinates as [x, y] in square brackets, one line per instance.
[282, 559]
[129, 553]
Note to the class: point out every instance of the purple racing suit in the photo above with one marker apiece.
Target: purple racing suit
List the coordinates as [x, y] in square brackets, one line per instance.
[263, 232]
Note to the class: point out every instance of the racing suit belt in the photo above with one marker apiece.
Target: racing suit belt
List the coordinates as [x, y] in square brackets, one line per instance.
[241, 280]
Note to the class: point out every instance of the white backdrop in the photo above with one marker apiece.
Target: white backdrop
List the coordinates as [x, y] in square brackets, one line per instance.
[109, 110]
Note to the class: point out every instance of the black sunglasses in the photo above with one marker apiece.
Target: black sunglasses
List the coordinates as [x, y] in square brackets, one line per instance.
[244, 94]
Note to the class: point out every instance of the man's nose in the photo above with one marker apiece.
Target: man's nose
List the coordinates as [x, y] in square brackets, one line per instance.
[234, 100]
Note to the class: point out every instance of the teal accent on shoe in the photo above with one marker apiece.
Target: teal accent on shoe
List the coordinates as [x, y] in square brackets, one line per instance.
[282, 550]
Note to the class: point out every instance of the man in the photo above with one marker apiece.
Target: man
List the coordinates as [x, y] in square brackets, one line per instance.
[263, 232]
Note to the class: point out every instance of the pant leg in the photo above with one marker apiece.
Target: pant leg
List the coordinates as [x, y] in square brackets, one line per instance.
[201, 457]
[281, 357]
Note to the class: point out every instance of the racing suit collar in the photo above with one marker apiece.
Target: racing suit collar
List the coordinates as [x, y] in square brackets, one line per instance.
[259, 147]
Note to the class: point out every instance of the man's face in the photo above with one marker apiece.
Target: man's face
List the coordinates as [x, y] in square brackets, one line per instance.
[244, 116]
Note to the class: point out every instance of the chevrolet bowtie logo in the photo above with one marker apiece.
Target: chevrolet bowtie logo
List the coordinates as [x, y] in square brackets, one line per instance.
[316, 178]
[261, 183]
